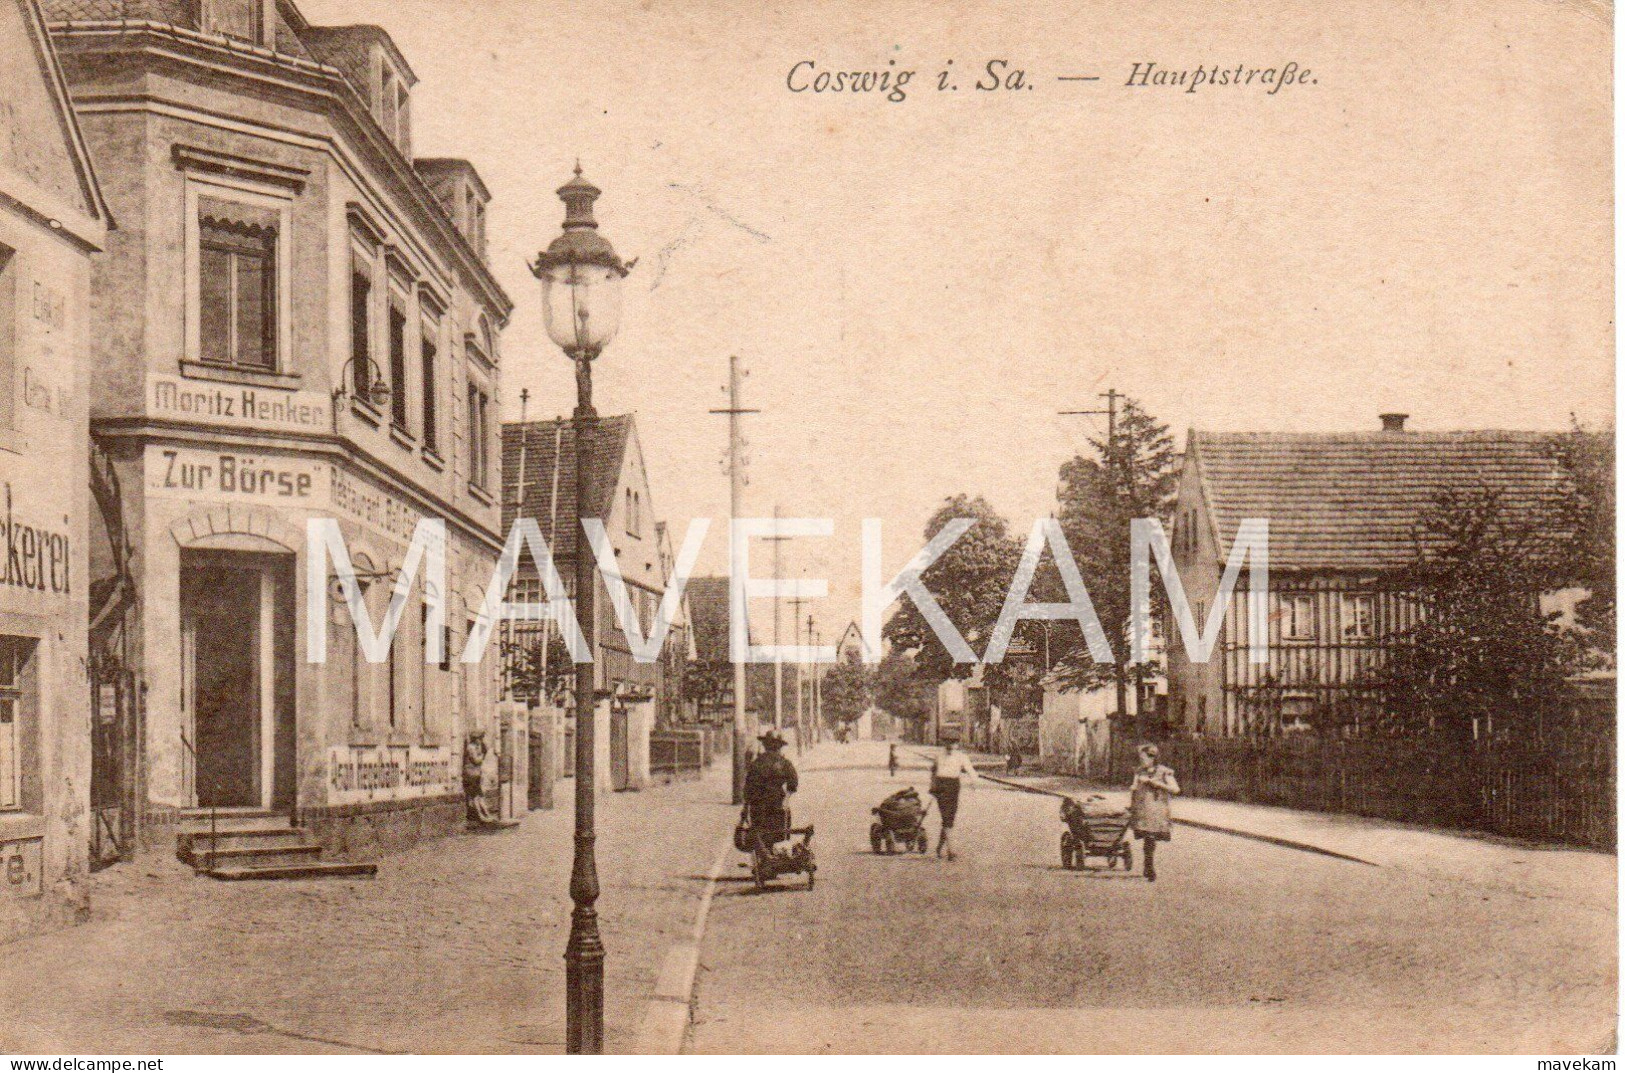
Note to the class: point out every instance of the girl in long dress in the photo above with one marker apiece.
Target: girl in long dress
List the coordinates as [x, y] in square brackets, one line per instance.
[1150, 812]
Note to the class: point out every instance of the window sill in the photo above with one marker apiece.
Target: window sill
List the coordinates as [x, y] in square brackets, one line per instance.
[479, 493]
[403, 438]
[366, 412]
[15, 826]
[228, 374]
[432, 459]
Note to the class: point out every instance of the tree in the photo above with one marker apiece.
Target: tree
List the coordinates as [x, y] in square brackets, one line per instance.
[1481, 648]
[848, 689]
[970, 581]
[899, 690]
[1131, 476]
[1587, 457]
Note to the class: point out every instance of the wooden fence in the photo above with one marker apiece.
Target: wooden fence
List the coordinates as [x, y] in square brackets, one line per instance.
[676, 753]
[1559, 789]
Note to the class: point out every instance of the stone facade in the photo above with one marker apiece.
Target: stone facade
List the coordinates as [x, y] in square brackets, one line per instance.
[52, 219]
[290, 327]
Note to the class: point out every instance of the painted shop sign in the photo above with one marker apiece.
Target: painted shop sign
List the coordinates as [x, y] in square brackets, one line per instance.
[360, 773]
[35, 557]
[246, 476]
[371, 506]
[20, 867]
[237, 405]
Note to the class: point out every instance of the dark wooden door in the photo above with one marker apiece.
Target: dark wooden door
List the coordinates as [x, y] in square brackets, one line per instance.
[220, 614]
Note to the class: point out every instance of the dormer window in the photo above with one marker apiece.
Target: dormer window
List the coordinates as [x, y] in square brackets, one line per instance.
[243, 20]
[394, 109]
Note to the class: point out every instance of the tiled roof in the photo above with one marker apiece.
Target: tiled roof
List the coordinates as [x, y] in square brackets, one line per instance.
[535, 500]
[173, 12]
[1355, 501]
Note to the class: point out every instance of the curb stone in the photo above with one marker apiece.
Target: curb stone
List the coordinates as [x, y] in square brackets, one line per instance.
[666, 1021]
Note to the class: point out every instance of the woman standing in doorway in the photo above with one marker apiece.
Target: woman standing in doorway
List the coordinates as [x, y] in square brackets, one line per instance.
[1149, 810]
[946, 775]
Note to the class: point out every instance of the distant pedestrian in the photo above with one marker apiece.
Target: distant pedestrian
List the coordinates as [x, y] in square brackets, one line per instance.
[1012, 763]
[1150, 812]
[946, 776]
[474, 754]
[891, 760]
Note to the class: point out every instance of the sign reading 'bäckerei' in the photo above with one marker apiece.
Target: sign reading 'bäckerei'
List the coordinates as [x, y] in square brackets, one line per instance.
[237, 405]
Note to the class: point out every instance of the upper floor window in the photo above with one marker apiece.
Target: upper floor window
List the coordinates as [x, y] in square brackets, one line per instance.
[634, 519]
[479, 437]
[397, 367]
[361, 330]
[431, 384]
[1359, 616]
[1298, 615]
[237, 298]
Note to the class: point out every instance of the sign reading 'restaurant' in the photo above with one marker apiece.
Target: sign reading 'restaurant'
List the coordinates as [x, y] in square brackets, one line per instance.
[237, 405]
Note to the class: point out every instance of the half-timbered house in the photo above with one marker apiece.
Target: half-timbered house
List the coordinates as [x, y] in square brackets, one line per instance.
[1345, 512]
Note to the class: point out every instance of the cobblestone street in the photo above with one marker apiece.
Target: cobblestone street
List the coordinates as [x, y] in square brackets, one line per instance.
[457, 945]
[1240, 946]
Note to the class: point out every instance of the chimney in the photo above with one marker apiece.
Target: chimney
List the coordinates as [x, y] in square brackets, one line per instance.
[1393, 422]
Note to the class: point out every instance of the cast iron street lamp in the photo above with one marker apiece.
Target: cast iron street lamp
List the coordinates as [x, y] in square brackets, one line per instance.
[581, 306]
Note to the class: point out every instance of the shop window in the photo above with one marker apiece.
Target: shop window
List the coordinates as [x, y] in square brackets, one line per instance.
[397, 367]
[8, 328]
[431, 387]
[1299, 614]
[361, 331]
[237, 298]
[16, 705]
[1359, 616]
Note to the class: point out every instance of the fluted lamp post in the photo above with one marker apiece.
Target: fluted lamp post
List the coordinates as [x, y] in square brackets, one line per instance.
[581, 306]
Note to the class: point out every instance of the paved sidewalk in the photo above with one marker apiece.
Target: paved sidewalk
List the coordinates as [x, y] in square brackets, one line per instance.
[1582, 876]
[457, 945]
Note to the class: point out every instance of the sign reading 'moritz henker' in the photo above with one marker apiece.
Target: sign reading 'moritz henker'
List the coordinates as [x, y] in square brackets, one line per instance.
[237, 405]
[35, 557]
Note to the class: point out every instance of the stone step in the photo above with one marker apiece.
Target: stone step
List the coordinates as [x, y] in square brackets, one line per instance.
[256, 858]
[313, 870]
[195, 822]
[267, 838]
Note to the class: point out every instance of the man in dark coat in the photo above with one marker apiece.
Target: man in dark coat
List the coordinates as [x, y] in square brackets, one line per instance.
[768, 781]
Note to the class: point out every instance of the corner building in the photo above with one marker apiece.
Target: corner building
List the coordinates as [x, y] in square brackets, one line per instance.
[294, 320]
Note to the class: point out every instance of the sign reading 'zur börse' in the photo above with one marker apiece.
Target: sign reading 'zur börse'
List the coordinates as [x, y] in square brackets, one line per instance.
[248, 476]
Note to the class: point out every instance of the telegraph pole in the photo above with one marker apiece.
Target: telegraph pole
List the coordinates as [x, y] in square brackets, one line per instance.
[795, 621]
[778, 660]
[736, 498]
[1112, 397]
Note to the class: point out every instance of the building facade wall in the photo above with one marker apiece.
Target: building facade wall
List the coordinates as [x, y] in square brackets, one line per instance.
[46, 242]
[222, 466]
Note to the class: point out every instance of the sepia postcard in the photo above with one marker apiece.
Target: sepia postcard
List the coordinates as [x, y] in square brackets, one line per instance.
[895, 528]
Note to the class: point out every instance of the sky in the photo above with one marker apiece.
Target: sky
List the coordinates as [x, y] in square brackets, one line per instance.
[919, 287]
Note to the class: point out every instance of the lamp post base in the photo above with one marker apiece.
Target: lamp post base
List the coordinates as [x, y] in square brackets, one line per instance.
[584, 985]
